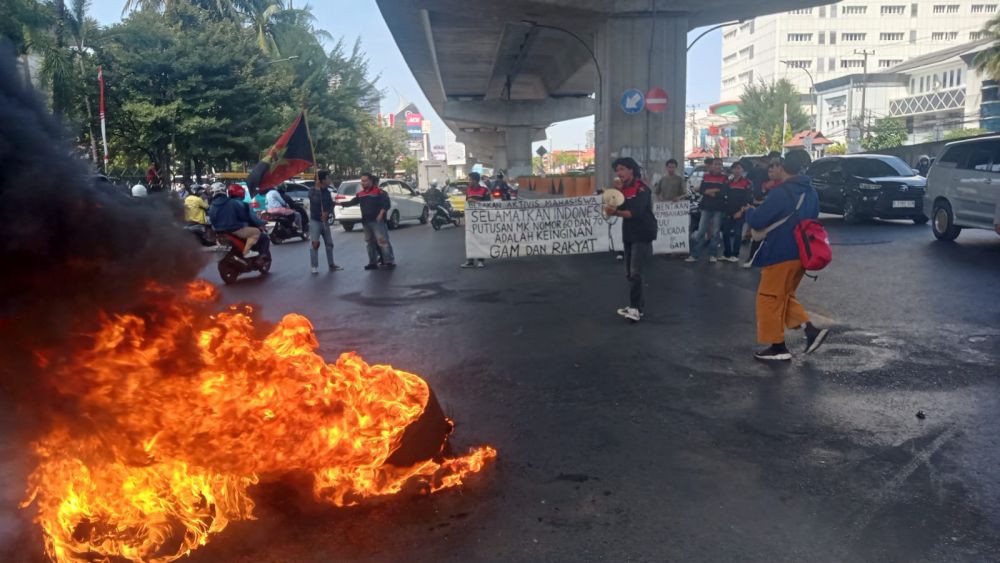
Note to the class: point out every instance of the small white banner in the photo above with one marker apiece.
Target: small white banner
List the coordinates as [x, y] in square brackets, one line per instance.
[562, 226]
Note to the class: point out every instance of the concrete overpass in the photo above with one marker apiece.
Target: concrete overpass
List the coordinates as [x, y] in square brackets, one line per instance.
[498, 73]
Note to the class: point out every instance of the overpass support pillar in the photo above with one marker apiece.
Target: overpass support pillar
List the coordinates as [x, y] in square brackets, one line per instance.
[519, 151]
[640, 51]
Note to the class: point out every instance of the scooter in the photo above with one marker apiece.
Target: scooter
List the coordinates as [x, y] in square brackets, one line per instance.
[204, 233]
[284, 228]
[233, 263]
[444, 214]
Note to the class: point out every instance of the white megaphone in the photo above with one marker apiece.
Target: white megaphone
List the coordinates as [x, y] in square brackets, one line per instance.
[612, 198]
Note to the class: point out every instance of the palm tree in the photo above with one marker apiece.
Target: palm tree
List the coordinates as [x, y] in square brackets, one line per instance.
[81, 28]
[988, 60]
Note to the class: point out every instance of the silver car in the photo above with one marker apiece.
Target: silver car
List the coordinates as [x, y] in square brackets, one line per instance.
[963, 187]
[405, 204]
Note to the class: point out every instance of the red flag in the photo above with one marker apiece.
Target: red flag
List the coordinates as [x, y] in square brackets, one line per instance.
[292, 153]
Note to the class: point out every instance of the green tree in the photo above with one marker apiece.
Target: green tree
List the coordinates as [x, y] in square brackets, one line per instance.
[961, 133]
[763, 108]
[988, 60]
[409, 165]
[381, 148]
[835, 149]
[192, 88]
[887, 133]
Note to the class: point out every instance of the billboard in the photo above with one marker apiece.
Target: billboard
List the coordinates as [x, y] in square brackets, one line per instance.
[414, 124]
[438, 152]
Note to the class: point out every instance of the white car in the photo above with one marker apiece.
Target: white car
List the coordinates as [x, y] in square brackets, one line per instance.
[404, 204]
[963, 187]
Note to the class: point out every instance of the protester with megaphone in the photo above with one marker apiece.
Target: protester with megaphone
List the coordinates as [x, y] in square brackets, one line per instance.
[639, 229]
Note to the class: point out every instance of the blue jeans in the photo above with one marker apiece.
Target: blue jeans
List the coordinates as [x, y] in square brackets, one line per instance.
[732, 237]
[709, 234]
[377, 239]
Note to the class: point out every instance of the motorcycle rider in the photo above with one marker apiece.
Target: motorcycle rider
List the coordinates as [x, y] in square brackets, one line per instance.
[476, 192]
[195, 207]
[434, 196]
[923, 165]
[230, 214]
[276, 205]
[503, 186]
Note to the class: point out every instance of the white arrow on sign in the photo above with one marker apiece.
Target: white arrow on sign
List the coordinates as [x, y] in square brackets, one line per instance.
[633, 101]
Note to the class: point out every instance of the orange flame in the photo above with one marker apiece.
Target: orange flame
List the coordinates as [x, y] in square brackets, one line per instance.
[180, 412]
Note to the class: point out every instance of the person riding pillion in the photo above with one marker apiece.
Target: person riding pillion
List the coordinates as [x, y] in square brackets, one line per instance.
[230, 214]
[476, 192]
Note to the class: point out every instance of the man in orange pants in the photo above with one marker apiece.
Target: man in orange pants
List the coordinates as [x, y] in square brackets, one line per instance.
[777, 308]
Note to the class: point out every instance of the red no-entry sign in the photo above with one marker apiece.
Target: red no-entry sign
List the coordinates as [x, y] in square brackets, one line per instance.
[656, 100]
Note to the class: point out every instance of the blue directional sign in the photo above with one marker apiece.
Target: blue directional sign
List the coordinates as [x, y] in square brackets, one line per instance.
[633, 101]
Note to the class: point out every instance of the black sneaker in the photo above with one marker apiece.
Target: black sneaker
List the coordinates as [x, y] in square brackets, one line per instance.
[371, 267]
[335, 268]
[390, 266]
[776, 353]
[815, 337]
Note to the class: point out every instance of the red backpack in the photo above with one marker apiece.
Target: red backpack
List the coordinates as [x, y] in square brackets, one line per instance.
[810, 236]
[814, 244]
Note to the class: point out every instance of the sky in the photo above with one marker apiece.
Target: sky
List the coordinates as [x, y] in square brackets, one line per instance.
[349, 19]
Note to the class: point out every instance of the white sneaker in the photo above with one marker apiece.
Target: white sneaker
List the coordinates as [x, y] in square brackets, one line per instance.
[468, 265]
[632, 314]
[690, 259]
[314, 270]
[734, 259]
[480, 264]
[748, 264]
[624, 311]
[713, 260]
[251, 254]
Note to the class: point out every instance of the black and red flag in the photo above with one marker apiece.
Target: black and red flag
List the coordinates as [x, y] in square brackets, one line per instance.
[292, 153]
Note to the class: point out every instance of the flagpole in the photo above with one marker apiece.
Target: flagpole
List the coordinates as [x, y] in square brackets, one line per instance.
[104, 131]
[312, 147]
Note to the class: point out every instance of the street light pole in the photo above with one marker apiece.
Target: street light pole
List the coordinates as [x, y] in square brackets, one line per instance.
[711, 29]
[812, 90]
[864, 88]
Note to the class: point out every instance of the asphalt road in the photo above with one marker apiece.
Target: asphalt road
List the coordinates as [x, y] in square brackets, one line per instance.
[663, 440]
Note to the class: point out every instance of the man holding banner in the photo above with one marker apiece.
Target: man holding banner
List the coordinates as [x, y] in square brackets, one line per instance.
[639, 230]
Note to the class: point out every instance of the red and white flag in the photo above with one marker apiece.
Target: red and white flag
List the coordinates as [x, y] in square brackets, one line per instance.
[104, 132]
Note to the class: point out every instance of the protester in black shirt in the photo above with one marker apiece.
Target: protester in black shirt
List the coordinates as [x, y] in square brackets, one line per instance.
[639, 230]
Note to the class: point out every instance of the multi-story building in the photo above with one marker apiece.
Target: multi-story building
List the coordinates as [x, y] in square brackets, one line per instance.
[932, 94]
[818, 44]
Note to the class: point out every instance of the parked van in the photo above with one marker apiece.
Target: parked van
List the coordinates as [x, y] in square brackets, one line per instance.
[963, 187]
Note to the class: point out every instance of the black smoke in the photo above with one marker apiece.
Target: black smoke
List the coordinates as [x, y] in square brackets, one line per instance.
[72, 250]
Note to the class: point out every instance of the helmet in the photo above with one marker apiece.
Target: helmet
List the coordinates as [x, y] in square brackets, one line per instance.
[218, 188]
[236, 190]
[139, 190]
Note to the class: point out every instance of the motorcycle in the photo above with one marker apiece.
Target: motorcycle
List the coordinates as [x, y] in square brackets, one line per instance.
[443, 214]
[203, 233]
[233, 263]
[284, 228]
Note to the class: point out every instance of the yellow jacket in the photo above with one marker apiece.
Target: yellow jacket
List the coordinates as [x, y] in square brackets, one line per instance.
[194, 209]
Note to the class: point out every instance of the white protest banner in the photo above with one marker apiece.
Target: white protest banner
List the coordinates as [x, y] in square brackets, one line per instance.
[672, 221]
[535, 227]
